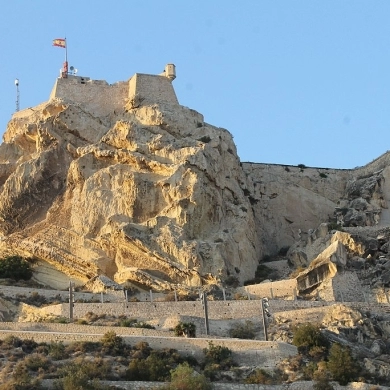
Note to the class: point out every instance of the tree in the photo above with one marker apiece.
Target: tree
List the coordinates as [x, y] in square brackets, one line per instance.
[15, 267]
[341, 364]
[186, 329]
[260, 376]
[217, 354]
[113, 344]
[183, 377]
[308, 336]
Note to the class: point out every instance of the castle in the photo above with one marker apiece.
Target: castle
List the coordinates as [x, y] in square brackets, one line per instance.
[99, 96]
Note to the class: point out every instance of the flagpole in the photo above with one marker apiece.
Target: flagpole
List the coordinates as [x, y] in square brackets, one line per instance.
[66, 59]
[66, 51]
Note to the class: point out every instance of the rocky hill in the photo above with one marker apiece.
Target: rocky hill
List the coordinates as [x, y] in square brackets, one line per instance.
[140, 189]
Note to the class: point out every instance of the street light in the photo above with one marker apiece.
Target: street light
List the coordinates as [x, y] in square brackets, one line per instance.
[265, 312]
[17, 94]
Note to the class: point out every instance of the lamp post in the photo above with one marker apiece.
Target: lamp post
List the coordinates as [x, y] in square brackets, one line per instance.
[203, 299]
[71, 300]
[17, 94]
[265, 312]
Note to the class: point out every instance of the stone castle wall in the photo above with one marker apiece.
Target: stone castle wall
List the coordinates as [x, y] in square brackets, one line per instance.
[217, 310]
[285, 289]
[153, 89]
[97, 97]
[374, 166]
[101, 99]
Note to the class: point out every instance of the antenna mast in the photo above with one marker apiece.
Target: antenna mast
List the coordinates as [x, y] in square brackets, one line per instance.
[17, 94]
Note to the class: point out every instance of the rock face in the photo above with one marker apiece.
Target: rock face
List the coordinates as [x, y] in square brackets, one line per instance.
[150, 195]
[290, 202]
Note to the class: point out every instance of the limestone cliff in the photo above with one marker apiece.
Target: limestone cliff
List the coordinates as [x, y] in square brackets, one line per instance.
[150, 195]
[290, 202]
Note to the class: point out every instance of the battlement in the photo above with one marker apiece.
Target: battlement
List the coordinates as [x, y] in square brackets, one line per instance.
[101, 98]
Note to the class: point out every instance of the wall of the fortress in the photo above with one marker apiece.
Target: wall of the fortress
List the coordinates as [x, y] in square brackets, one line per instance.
[285, 289]
[96, 96]
[152, 88]
[217, 310]
[15, 292]
[289, 199]
[376, 165]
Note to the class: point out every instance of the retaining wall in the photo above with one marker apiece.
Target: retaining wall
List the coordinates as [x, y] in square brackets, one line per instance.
[14, 292]
[217, 310]
[248, 352]
[234, 386]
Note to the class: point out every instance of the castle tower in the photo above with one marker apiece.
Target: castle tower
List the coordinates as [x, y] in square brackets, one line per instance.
[170, 71]
[154, 88]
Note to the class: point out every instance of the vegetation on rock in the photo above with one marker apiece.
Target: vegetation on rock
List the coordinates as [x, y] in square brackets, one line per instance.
[186, 329]
[15, 267]
[184, 377]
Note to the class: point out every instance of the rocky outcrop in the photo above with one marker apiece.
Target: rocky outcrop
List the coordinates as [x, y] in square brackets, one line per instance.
[151, 195]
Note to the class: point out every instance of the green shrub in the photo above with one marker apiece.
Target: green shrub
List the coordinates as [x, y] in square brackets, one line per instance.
[307, 336]
[183, 377]
[341, 364]
[112, 344]
[141, 350]
[15, 267]
[217, 358]
[83, 346]
[260, 376]
[186, 329]
[243, 331]
[11, 342]
[36, 361]
[20, 379]
[153, 365]
[142, 325]
[57, 350]
[83, 374]
[127, 322]
[28, 346]
[153, 368]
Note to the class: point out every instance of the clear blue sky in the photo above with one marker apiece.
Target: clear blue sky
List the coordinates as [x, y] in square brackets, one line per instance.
[295, 82]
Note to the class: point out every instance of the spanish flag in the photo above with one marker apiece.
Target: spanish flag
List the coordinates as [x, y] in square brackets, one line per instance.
[61, 42]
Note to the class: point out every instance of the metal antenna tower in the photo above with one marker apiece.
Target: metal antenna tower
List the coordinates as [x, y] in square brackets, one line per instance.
[17, 94]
